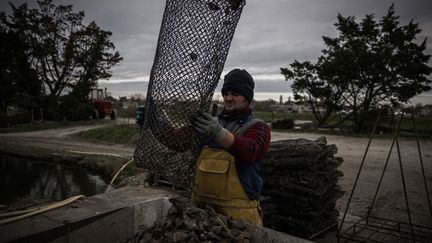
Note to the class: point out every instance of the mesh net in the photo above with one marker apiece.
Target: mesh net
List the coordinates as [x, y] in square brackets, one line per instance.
[194, 40]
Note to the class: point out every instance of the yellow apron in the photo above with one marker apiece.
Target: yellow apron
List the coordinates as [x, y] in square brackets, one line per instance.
[217, 184]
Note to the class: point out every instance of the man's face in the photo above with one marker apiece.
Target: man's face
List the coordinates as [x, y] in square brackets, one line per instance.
[234, 102]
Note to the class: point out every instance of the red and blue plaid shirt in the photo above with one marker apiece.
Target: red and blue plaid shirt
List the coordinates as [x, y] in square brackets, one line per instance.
[252, 145]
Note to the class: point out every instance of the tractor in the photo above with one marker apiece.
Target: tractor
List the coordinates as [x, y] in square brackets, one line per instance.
[102, 106]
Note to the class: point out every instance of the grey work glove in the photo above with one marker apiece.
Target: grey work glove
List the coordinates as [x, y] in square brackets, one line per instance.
[208, 125]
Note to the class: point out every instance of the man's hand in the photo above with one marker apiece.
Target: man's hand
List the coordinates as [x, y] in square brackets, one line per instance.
[205, 124]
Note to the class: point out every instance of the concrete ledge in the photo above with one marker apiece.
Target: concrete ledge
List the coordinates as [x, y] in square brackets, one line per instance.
[259, 235]
[110, 217]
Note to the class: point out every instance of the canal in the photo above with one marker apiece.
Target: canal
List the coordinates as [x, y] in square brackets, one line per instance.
[23, 179]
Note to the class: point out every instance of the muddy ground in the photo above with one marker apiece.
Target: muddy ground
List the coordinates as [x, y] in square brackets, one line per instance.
[390, 202]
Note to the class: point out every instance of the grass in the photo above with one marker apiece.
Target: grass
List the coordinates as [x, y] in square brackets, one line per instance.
[26, 151]
[103, 164]
[49, 125]
[128, 134]
[116, 134]
[271, 116]
[423, 125]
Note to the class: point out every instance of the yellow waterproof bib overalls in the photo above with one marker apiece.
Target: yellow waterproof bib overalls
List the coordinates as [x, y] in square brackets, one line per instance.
[217, 184]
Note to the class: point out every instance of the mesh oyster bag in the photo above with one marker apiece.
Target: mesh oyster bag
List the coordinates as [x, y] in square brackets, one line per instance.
[193, 44]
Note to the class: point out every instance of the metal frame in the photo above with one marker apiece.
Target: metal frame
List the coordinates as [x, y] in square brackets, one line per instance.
[375, 229]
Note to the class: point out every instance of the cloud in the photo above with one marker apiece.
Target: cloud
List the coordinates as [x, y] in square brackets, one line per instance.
[270, 34]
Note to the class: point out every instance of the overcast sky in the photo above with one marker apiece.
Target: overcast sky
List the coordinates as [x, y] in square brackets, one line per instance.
[271, 33]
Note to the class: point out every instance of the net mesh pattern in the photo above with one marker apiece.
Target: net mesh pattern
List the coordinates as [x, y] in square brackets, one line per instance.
[193, 44]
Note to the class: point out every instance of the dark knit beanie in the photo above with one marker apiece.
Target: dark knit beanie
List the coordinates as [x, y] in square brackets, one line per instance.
[239, 81]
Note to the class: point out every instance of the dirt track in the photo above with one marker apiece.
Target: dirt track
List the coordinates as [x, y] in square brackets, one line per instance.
[390, 201]
[58, 139]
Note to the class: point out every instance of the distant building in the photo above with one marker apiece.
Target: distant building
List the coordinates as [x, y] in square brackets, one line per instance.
[137, 96]
[298, 106]
[280, 108]
[291, 106]
[426, 110]
[129, 103]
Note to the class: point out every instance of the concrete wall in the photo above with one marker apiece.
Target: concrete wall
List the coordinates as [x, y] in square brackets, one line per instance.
[110, 217]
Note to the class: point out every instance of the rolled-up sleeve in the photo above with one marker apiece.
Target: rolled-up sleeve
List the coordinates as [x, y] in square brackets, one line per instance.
[252, 145]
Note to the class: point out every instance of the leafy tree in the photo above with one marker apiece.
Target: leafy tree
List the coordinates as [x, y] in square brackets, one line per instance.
[323, 97]
[19, 83]
[66, 54]
[369, 65]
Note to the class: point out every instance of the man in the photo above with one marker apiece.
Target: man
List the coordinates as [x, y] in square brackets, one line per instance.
[228, 169]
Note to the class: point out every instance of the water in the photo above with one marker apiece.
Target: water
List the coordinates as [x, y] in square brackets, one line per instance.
[35, 180]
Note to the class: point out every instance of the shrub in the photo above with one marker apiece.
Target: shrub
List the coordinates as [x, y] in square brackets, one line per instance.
[283, 124]
[73, 108]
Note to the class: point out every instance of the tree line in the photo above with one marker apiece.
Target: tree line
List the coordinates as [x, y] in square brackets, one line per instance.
[370, 65]
[50, 59]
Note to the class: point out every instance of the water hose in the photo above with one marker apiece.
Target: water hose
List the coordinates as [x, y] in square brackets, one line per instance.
[29, 213]
[93, 153]
[118, 172]
[108, 154]
[17, 212]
